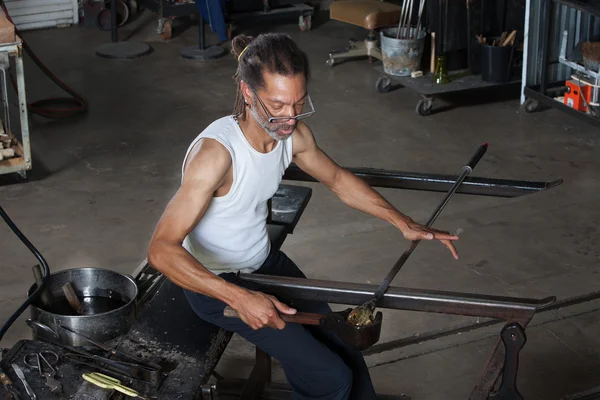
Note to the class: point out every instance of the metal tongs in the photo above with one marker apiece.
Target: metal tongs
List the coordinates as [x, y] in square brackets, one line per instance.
[137, 369]
[133, 367]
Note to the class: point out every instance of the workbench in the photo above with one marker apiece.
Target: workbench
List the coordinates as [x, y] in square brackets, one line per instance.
[167, 330]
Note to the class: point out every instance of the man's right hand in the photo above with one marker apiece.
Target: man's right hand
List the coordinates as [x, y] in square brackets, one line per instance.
[259, 310]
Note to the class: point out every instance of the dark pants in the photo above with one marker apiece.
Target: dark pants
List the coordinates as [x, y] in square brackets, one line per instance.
[316, 363]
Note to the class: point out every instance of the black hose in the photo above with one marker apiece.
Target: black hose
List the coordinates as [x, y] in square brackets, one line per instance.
[45, 271]
[63, 107]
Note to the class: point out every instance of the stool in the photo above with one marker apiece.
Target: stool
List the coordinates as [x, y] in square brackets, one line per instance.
[369, 14]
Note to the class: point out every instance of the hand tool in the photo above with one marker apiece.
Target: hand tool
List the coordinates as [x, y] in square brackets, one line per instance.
[107, 382]
[8, 386]
[148, 364]
[21, 376]
[49, 358]
[358, 337]
[363, 314]
[149, 372]
[72, 298]
[514, 339]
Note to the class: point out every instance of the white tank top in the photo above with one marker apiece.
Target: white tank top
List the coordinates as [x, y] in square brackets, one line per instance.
[232, 235]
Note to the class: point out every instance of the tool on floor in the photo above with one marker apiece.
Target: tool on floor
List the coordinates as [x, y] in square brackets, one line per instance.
[107, 382]
[513, 336]
[363, 314]
[44, 362]
[359, 337]
[21, 376]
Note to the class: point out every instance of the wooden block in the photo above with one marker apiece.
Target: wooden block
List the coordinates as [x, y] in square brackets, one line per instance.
[7, 31]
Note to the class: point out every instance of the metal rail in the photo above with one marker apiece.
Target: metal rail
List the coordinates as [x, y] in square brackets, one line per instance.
[435, 182]
[435, 301]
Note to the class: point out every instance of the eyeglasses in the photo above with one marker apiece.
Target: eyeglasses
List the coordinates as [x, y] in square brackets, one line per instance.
[297, 117]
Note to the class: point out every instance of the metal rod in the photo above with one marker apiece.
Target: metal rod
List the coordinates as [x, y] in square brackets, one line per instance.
[398, 298]
[407, 32]
[435, 182]
[113, 20]
[466, 170]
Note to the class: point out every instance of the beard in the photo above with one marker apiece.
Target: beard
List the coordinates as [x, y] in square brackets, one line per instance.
[274, 130]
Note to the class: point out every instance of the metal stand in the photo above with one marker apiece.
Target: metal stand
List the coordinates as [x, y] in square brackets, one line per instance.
[201, 52]
[120, 50]
[22, 161]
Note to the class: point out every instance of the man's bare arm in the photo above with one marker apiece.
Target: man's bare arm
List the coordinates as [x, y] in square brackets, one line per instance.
[205, 172]
[355, 192]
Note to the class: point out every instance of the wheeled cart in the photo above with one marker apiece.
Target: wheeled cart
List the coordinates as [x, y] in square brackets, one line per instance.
[425, 85]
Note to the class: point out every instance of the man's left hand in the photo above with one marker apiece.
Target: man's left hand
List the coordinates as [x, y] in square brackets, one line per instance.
[415, 231]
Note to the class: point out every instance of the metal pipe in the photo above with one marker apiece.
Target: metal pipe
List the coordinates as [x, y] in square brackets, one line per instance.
[476, 305]
[435, 182]
[466, 170]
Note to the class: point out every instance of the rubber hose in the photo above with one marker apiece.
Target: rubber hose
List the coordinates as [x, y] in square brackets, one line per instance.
[79, 105]
[45, 271]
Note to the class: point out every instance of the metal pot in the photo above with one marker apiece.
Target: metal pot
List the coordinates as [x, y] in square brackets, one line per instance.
[108, 299]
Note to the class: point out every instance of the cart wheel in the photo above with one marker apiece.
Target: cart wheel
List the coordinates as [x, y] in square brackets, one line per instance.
[383, 84]
[424, 107]
[305, 22]
[330, 62]
[531, 105]
[166, 33]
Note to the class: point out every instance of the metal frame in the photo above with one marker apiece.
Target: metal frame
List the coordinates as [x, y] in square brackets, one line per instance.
[515, 311]
[22, 163]
[435, 182]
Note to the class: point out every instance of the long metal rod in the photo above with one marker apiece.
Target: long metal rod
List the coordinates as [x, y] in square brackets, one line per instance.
[398, 298]
[466, 170]
[435, 182]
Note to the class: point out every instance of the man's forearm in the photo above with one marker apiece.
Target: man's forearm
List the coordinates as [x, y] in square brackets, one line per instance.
[185, 271]
[357, 194]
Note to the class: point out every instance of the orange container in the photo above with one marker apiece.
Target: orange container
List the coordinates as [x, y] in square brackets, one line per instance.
[574, 95]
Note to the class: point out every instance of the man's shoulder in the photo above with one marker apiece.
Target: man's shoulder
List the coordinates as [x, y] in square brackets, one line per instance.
[219, 125]
[303, 137]
[208, 153]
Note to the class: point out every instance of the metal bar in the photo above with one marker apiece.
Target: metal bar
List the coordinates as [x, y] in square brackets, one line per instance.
[470, 327]
[259, 377]
[507, 308]
[435, 182]
[24, 118]
[545, 37]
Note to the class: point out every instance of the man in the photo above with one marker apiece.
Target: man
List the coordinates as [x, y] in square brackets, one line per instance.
[215, 225]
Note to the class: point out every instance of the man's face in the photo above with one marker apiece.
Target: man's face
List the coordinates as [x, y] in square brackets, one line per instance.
[282, 96]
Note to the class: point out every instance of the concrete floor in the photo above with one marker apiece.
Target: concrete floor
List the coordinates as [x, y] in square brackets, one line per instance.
[100, 183]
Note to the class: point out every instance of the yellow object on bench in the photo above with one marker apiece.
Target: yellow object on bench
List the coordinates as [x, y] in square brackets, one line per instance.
[369, 14]
[107, 382]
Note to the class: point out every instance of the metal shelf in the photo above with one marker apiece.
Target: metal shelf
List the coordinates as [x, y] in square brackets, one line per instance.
[21, 163]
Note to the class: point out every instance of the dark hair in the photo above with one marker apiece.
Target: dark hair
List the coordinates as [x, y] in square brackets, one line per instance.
[268, 52]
